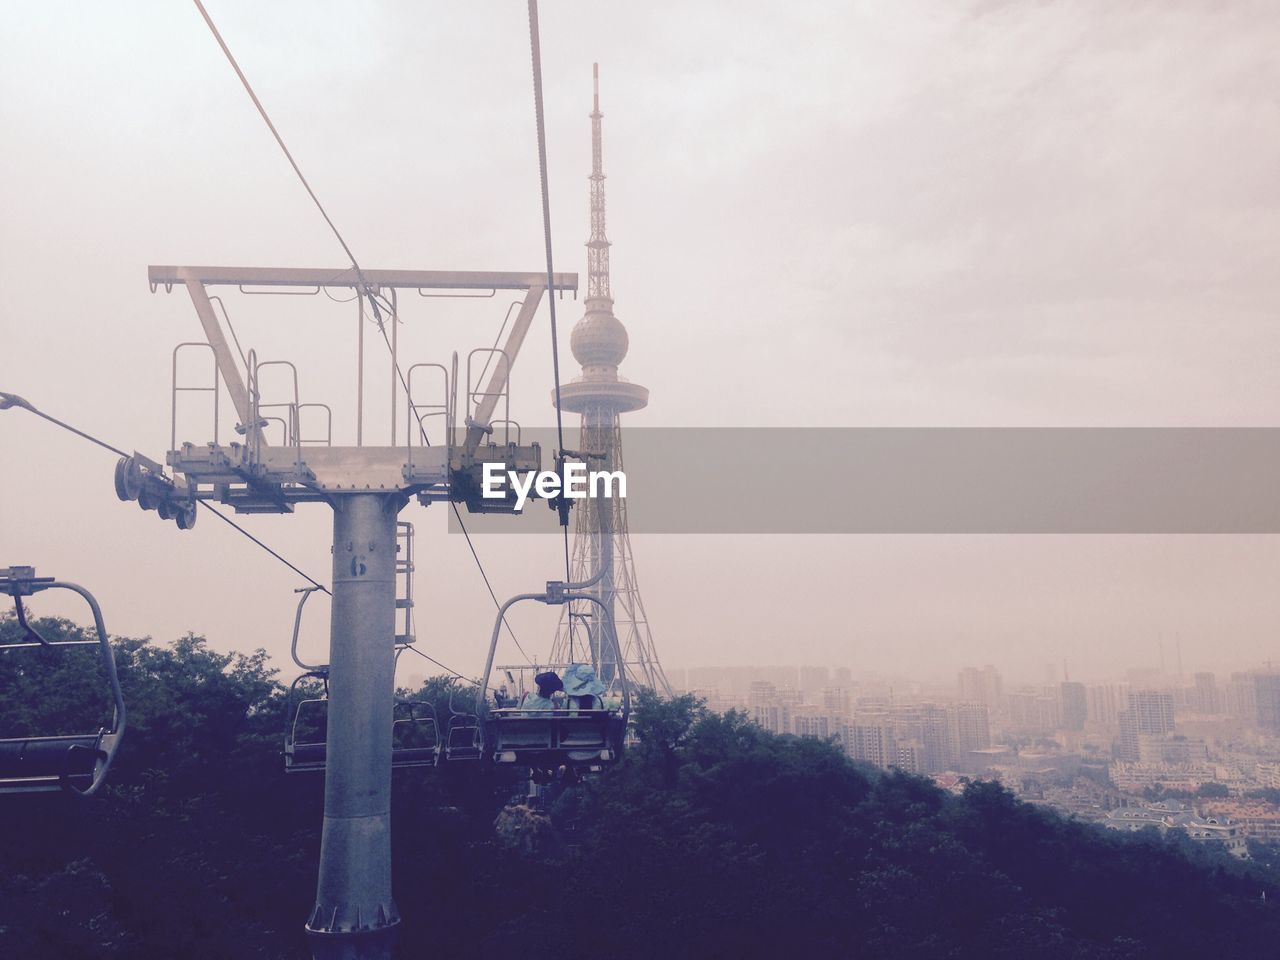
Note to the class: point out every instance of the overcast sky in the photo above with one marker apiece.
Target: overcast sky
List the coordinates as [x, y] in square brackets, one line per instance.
[873, 214]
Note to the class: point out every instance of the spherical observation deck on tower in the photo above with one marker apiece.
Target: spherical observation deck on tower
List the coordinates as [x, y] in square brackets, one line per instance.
[599, 342]
[599, 339]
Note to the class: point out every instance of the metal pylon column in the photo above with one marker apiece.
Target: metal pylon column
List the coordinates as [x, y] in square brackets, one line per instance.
[355, 917]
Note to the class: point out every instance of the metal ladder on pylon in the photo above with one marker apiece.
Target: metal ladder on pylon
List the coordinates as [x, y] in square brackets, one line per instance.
[404, 584]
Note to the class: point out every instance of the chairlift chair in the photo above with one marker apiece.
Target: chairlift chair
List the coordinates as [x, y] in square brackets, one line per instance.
[415, 735]
[415, 731]
[415, 728]
[76, 763]
[307, 730]
[465, 737]
[546, 741]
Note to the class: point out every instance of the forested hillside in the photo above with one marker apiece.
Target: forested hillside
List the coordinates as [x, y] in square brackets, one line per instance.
[712, 839]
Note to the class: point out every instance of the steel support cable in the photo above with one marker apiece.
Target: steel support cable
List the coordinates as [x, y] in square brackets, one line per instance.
[244, 81]
[8, 400]
[535, 48]
[365, 288]
[442, 666]
[480, 566]
[235, 526]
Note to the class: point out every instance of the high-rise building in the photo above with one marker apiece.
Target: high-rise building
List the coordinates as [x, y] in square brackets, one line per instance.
[1033, 712]
[761, 694]
[1105, 702]
[970, 730]
[909, 756]
[1074, 704]
[1128, 744]
[835, 700]
[813, 679]
[869, 738]
[1206, 694]
[602, 544]
[1152, 710]
[774, 717]
[982, 686]
[812, 723]
[926, 725]
[770, 707]
[1241, 698]
[1150, 714]
[791, 696]
[1266, 698]
[784, 678]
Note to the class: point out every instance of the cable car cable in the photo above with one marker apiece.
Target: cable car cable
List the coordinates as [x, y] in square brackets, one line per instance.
[235, 526]
[480, 566]
[364, 284]
[536, 55]
[448, 669]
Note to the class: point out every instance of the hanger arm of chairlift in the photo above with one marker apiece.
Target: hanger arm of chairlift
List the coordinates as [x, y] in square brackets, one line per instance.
[297, 626]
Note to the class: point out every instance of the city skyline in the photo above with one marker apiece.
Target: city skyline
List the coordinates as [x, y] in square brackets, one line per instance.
[1198, 755]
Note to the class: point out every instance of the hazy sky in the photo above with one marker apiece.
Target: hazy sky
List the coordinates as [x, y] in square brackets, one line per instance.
[944, 214]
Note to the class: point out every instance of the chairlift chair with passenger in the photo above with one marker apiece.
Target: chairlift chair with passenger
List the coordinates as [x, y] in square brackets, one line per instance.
[572, 740]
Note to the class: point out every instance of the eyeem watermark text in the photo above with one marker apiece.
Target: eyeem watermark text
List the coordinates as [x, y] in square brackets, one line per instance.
[578, 484]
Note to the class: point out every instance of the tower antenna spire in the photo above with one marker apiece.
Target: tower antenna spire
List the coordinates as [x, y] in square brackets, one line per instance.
[598, 245]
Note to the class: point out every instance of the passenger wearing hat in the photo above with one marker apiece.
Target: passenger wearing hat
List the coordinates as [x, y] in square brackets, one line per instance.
[583, 687]
[548, 683]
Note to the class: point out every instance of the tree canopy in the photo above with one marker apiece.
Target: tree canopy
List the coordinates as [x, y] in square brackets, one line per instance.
[713, 838]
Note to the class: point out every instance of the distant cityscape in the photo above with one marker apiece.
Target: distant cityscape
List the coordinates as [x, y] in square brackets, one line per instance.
[1198, 754]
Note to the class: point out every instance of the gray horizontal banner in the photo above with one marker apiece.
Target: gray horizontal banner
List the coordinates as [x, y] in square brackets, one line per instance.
[934, 480]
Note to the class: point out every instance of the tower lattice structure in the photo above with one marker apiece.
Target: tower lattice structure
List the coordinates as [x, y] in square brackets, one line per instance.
[601, 542]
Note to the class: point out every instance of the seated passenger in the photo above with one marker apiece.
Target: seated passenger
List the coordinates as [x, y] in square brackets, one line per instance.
[503, 699]
[549, 684]
[583, 687]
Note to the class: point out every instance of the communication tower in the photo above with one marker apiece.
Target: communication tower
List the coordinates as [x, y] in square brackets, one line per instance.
[601, 541]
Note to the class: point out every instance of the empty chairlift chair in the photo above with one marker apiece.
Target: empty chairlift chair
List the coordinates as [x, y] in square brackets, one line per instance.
[306, 735]
[415, 728]
[77, 763]
[415, 736]
[465, 739]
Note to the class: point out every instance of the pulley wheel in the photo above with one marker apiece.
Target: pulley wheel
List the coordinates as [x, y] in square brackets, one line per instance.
[121, 490]
[186, 517]
[131, 479]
